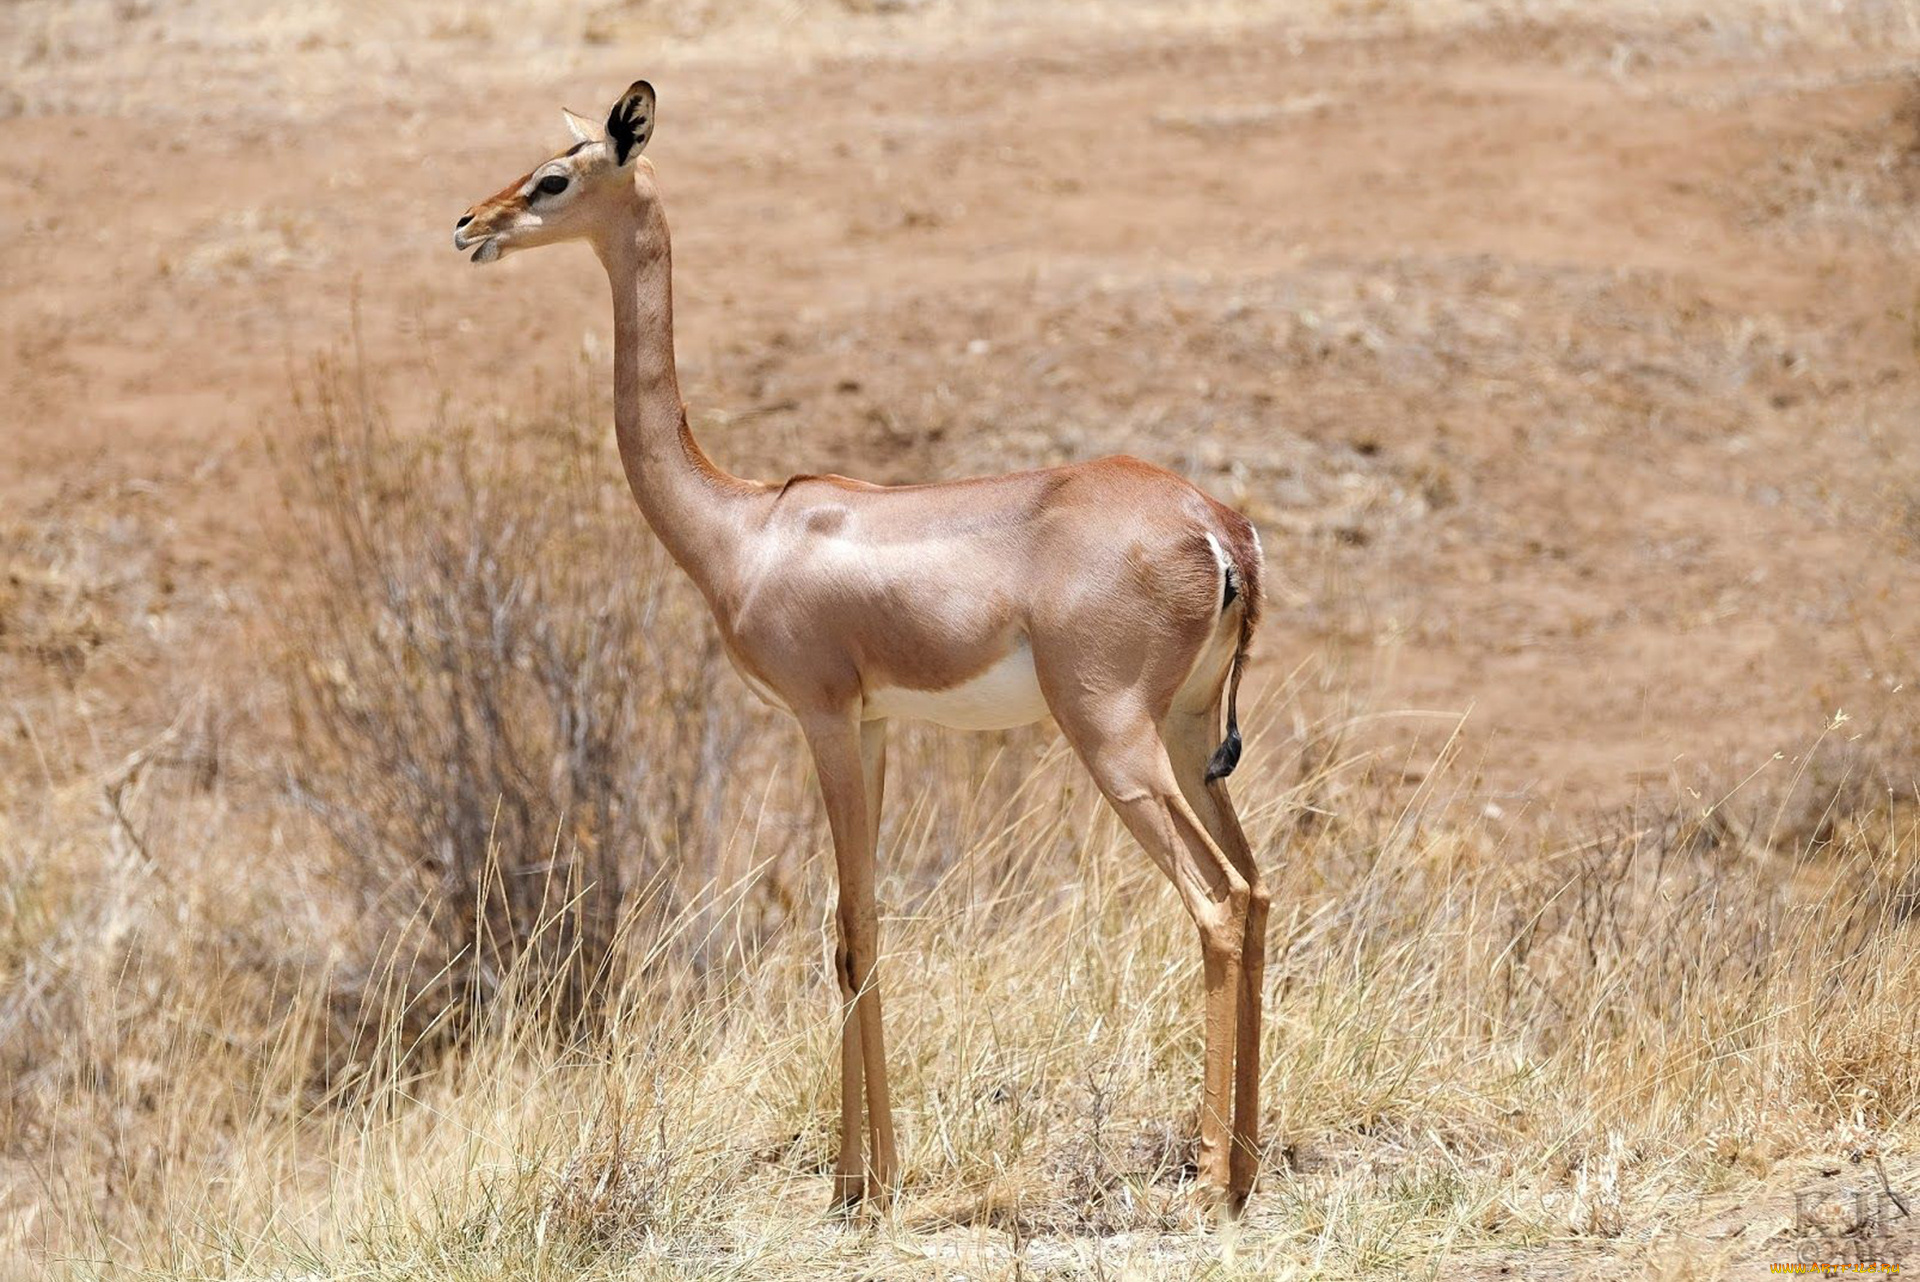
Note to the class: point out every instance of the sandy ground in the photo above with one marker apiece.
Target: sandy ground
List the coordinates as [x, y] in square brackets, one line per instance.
[1568, 376]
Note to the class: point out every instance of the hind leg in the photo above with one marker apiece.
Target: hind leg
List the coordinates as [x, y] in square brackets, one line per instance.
[1191, 735]
[1123, 750]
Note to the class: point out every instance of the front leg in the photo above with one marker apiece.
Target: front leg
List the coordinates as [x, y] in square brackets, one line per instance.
[849, 1166]
[849, 760]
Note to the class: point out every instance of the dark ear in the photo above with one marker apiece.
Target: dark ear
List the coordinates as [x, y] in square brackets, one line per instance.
[630, 123]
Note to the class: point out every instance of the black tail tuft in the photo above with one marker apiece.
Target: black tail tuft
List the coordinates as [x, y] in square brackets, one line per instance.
[1227, 755]
[1242, 577]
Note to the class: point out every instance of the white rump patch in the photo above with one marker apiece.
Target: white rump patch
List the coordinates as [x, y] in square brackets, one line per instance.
[1219, 553]
[1224, 565]
[1005, 695]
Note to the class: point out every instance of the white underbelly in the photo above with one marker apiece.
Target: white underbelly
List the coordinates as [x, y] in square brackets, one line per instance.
[1005, 695]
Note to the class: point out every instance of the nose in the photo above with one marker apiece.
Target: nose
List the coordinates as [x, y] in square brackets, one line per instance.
[464, 220]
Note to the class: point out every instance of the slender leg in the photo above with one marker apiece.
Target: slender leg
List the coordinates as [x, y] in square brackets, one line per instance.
[884, 1159]
[850, 1167]
[840, 749]
[1190, 741]
[1131, 765]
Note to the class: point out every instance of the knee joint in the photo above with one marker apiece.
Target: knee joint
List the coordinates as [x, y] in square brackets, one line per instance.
[1259, 895]
[1239, 898]
[1224, 941]
[1224, 928]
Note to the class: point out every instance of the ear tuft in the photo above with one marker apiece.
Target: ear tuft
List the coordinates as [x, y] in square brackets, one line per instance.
[630, 123]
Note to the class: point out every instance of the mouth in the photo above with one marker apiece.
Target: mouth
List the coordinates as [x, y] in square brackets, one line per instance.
[485, 248]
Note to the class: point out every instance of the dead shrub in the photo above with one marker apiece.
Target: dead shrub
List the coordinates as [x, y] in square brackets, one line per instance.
[1658, 904]
[494, 665]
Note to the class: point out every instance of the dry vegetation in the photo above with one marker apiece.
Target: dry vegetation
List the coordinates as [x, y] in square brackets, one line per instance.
[1481, 1044]
[394, 882]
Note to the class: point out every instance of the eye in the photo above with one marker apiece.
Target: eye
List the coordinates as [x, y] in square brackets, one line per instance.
[551, 185]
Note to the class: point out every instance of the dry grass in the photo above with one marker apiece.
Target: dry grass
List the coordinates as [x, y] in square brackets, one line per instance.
[1478, 1043]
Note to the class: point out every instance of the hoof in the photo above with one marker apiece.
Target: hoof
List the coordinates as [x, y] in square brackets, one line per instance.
[848, 1191]
[1218, 1203]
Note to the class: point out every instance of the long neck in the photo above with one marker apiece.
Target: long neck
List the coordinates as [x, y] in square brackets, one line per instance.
[691, 504]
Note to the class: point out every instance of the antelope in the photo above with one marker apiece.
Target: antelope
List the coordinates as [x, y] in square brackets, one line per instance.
[1111, 595]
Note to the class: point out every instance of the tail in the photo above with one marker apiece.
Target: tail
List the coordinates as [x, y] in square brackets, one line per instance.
[1243, 581]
